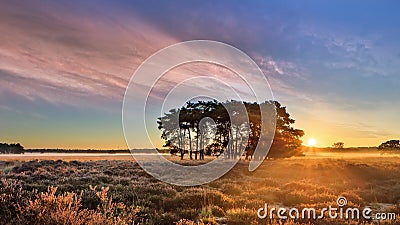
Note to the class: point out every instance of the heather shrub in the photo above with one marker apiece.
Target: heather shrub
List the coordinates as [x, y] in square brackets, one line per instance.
[241, 216]
[66, 208]
[188, 222]
[193, 200]
[25, 193]
[191, 214]
[232, 189]
[217, 211]
[48, 208]
[11, 196]
[295, 198]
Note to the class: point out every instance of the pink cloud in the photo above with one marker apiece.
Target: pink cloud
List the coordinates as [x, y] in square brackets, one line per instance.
[52, 53]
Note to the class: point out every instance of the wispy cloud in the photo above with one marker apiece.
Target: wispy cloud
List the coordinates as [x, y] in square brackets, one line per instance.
[61, 56]
[366, 55]
[362, 130]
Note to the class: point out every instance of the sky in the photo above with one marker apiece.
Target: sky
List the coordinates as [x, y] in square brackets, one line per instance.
[65, 65]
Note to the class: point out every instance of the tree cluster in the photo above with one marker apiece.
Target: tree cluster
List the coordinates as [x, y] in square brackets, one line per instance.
[338, 145]
[390, 145]
[11, 148]
[206, 128]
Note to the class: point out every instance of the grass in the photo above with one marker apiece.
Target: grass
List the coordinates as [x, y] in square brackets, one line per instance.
[125, 193]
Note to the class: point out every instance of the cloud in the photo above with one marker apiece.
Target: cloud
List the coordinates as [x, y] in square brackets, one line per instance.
[65, 57]
[365, 55]
[362, 130]
[285, 78]
[72, 52]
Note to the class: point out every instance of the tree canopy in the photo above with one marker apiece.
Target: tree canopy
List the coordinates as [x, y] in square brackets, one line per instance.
[338, 145]
[390, 145]
[11, 148]
[206, 128]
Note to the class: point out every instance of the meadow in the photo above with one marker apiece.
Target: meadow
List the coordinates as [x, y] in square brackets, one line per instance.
[120, 192]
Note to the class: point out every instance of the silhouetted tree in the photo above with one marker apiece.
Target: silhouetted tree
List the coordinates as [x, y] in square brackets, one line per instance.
[206, 128]
[392, 144]
[287, 140]
[11, 148]
[173, 131]
[338, 145]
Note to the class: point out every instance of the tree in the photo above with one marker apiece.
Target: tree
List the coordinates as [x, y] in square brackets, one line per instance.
[338, 145]
[287, 139]
[188, 130]
[11, 148]
[391, 145]
[207, 128]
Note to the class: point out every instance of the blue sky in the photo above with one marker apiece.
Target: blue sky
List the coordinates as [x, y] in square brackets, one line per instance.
[64, 65]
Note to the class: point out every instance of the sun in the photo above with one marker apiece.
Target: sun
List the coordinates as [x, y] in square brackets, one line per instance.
[312, 142]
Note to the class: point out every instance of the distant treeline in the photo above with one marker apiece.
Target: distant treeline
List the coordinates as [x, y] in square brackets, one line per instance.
[57, 150]
[11, 148]
[109, 151]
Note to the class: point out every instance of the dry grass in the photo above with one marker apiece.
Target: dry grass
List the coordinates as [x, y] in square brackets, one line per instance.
[124, 187]
[84, 157]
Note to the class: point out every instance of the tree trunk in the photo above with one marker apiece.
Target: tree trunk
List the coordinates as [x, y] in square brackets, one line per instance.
[182, 149]
[236, 153]
[197, 144]
[190, 144]
[202, 147]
